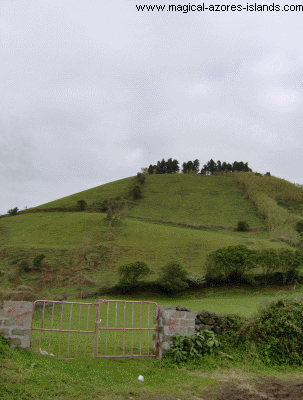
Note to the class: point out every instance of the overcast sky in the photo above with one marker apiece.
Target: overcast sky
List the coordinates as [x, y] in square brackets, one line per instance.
[91, 91]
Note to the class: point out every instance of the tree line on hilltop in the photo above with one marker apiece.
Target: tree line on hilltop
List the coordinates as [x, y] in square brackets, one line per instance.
[172, 166]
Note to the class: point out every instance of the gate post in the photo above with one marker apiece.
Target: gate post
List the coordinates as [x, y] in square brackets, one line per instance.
[170, 323]
[15, 322]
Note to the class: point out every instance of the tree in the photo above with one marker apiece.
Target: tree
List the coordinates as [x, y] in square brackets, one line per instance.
[196, 165]
[151, 169]
[231, 260]
[172, 278]
[132, 272]
[13, 211]
[286, 261]
[175, 166]
[114, 208]
[268, 259]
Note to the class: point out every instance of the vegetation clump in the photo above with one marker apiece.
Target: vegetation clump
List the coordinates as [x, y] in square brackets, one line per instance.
[37, 262]
[132, 272]
[24, 266]
[277, 332]
[115, 208]
[172, 278]
[243, 226]
[81, 205]
[194, 346]
[13, 211]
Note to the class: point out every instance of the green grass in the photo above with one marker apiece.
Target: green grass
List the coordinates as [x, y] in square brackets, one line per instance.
[107, 249]
[196, 199]
[91, 196]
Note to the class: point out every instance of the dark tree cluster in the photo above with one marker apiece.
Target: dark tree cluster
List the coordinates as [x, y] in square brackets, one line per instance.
[164, 167]
[191, 167]
[212, 166]
[172, 166]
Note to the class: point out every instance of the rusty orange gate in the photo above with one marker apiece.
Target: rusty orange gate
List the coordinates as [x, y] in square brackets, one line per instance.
[107, 328]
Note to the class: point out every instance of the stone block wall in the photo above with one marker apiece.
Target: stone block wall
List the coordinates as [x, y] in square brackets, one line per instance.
[173, 320]
[15, 322]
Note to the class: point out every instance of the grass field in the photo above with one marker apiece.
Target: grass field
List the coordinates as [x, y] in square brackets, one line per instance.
[87, 235]
[196, 199]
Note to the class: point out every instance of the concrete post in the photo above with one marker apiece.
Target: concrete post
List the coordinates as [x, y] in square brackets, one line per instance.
[15, 322]
[170, 323]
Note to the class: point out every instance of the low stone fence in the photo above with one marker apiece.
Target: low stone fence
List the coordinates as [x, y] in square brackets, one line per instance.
[15, 322]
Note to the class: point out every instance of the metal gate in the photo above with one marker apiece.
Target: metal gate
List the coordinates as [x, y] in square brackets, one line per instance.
[74, 329]
[127, 329]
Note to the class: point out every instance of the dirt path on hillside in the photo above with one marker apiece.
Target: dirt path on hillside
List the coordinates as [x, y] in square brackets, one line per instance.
[262, 389]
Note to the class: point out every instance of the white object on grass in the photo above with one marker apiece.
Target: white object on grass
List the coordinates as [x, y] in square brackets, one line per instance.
[140, 378]
[45, 353]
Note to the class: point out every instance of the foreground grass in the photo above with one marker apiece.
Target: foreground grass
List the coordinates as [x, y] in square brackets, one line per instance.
[25, 375]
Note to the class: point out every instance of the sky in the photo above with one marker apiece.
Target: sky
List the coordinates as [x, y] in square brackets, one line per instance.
[93, 91]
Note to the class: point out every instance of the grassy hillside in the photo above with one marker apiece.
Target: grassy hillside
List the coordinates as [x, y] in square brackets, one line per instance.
[179, 218]
[196, 199]
[91, 196]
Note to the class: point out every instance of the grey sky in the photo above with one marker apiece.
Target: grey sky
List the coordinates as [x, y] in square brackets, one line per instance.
[91, 91]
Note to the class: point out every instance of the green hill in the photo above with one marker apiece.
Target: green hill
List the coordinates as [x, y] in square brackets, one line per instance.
[180, 217]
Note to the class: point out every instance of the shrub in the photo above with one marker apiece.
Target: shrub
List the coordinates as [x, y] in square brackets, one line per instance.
[243, 226]
[277, 332]
[228, 262]
[136, 192]
[13, 211]
[24, 266]
[196, 279]
[37, 263]
[172, 278]
[81, 204]
[299, 226]
[132, 272]
[192, 347]
[141, 178]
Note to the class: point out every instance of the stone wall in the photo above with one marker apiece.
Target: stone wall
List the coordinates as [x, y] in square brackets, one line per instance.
[173, 320]
[15, 322]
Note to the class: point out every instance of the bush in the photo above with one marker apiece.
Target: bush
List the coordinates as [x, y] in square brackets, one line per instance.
[172, 278]
[277, 332]
[24, 266]
[192, 347]
[299, 226]
[229, 263]
[136, 192]
[81, 204]
[132, 272]
[196, 279]
[243, 226]
[141, 178]
[13, 211]
[37, 263]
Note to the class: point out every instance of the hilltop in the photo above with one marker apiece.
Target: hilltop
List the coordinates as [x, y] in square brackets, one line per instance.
[181, 217]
